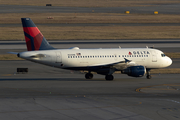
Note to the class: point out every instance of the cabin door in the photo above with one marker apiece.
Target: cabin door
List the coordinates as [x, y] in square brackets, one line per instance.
[58, 57]
[154, 56]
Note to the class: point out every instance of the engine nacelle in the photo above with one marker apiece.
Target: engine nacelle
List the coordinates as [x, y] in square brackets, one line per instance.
[135, 71]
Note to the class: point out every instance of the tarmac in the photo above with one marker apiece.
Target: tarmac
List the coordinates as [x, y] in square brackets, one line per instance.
[161, 8]
[49, 93]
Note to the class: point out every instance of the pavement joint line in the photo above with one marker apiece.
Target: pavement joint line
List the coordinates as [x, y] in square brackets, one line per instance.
[149, 87]
[98, 107]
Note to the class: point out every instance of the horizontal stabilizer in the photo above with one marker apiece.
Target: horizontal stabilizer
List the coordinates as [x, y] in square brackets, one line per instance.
[13, 53]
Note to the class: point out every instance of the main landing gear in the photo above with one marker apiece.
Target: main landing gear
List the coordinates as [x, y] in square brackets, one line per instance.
[148, 74]
[109, 77]
[89, 76]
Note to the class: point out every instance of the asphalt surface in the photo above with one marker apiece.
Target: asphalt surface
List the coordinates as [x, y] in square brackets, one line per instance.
[161, 8]
[164, 45]
[50, 93]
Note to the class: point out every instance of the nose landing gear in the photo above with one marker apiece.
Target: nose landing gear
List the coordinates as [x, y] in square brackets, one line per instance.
[148, 74]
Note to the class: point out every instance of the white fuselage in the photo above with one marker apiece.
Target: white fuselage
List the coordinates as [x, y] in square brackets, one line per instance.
[82, 58]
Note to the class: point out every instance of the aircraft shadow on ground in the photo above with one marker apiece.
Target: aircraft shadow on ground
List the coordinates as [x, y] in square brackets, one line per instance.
[48, 79]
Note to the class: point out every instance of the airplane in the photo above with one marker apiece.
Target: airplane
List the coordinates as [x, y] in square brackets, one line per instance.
[135, 62]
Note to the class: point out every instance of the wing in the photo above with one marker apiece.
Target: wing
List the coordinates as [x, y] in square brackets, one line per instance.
[116, 65]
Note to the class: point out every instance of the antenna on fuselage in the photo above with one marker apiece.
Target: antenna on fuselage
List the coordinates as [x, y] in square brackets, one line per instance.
[152, 46]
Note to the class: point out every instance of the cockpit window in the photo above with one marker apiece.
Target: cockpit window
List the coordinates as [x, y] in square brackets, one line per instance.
[163, 55]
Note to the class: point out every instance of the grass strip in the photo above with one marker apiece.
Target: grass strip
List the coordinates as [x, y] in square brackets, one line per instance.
[173, 55]
[9, 57]
[7, 18]
[166, 71]
[96, 32]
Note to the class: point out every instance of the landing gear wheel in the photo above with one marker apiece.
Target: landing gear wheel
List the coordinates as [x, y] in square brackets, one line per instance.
[148, 76]
[89, 76]
[109, 77]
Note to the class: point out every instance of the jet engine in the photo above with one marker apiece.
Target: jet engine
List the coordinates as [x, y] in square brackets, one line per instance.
[135, 71]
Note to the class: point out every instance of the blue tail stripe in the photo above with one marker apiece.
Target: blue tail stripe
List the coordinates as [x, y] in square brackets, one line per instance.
[45, 45]
[31, 39]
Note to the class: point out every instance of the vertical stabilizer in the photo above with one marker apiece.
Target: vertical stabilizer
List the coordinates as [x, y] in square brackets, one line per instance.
[34, 38]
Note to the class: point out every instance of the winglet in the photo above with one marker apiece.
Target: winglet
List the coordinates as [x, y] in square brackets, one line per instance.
[34, 38]
[127, 61]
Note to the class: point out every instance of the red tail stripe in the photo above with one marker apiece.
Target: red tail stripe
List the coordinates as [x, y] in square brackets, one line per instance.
[37, 41]
[32, 31]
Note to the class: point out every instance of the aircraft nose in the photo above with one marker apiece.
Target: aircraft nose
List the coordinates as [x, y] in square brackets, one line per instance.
[169, 61]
